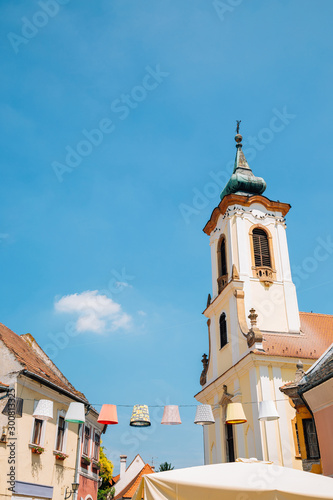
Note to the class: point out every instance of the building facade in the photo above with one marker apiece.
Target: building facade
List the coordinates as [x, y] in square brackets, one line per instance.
[316, 390]
[39, 459]
[256, 332]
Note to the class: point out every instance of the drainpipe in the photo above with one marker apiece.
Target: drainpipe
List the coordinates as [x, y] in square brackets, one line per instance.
[78, 457]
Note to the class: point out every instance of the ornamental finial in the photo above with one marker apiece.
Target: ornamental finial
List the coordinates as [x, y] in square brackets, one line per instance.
[238, 137]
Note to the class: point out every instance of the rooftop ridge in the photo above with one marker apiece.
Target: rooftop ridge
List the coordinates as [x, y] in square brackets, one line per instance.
[316, 314]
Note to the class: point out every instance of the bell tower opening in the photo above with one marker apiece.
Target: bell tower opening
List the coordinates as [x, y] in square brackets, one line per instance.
[222, 279]
[262, 256]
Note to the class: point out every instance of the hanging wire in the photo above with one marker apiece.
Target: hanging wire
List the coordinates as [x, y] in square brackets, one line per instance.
[162, 406]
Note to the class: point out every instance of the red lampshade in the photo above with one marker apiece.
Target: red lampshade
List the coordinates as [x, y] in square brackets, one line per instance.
[108, 415]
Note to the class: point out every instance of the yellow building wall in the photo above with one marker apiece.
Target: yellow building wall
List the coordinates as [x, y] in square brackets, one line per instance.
[263, 440]
[42, 469]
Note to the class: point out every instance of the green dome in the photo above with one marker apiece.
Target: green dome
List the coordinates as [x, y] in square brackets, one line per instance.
[243, 181]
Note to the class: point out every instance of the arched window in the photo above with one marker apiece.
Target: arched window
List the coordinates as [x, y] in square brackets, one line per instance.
[223, 260]
[222, 279]
[261, 248]
[223, 330]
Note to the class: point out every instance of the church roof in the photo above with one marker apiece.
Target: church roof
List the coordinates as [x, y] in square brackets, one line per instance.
[315, 337]
[243, 181]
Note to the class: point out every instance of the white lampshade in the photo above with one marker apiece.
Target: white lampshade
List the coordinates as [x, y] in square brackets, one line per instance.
[267, 411]
[75, 413]
[44, 410]
[204, 415]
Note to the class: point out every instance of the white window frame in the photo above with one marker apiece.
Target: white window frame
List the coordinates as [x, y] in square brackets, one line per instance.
[94, 444]
[61, 413]
[42, 434]
[90, 440]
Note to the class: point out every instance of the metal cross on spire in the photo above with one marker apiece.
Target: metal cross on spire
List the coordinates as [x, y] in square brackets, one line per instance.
[237, 127]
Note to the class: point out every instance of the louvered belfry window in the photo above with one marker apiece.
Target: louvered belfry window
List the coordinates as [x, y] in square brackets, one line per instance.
[261, 248]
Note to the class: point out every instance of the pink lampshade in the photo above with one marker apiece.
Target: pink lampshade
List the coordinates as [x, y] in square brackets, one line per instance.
[108, 415]
[171, 415]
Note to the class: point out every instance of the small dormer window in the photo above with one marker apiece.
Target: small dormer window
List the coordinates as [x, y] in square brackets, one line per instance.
[261, 248]
[222, 279]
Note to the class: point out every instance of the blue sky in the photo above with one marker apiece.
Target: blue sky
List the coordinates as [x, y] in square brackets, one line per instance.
[109, 269]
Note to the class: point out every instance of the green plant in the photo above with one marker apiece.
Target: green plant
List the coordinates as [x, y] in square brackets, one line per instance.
[106, 494]
[165, 466]
[61, 456]
[37, 449]
[86, 460]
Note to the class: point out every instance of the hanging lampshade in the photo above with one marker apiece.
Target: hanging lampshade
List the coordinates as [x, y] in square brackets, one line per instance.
[108, 415]
[75, 413]
[267, 411]
[171, 415]
[13, 405]
[204, 415]
[140, 416]
[235, 414]
[44, 410]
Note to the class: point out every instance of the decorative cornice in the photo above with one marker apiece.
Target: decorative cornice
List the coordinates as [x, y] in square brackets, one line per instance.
[244, 201]
[249, 360]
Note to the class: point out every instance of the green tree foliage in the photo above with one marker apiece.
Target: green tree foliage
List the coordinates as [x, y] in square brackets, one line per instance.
[105, 491]
[165, 466]
[106, 494]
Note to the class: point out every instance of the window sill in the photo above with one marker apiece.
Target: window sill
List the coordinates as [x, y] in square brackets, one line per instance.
[60, 455]
[85, 460]
[36, 448]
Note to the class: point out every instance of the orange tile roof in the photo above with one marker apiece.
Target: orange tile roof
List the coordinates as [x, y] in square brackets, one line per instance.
[31, 361]
[131, 488]
[115, 479]
[316, 336]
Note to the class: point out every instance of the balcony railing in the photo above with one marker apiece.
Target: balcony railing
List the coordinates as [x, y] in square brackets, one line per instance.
[264, 274]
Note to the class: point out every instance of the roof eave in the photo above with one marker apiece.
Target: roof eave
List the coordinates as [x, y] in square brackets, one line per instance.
[53, 386]
[246, 201]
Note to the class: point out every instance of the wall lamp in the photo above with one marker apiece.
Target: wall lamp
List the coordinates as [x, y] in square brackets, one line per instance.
[75, 487]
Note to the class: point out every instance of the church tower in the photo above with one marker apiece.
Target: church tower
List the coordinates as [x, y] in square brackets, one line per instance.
[253, 322]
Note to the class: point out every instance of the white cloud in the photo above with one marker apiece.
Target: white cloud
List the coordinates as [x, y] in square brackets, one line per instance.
[96, 312]
[142, 313]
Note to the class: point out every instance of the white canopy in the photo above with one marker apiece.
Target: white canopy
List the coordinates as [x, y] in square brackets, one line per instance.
[235, 481]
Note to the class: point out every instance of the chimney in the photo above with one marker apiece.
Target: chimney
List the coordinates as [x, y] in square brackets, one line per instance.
[122, 465]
